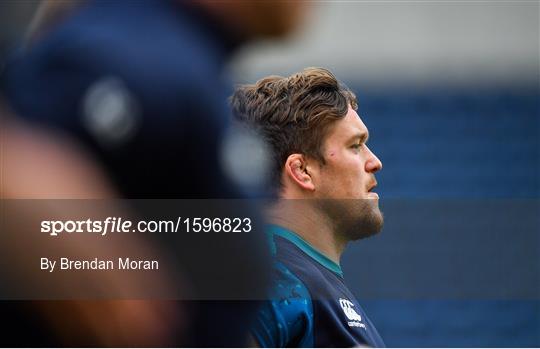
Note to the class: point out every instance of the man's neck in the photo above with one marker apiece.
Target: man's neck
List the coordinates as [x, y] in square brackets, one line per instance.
[303, 218]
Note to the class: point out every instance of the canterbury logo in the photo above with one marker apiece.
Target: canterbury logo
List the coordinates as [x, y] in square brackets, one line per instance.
[352, 315]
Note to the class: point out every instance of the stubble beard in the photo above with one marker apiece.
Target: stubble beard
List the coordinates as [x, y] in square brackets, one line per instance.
[353, 219]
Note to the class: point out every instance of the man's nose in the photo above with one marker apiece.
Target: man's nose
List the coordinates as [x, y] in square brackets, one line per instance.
[373, 164]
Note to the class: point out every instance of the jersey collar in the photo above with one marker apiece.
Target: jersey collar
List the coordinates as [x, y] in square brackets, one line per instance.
[305, 247]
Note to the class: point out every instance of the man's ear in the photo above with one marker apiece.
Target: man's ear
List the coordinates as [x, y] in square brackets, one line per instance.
[298, 171]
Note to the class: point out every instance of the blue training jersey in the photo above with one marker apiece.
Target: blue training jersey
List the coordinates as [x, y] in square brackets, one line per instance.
[310, 305]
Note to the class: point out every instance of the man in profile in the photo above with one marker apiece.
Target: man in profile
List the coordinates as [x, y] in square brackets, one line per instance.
[324, 175]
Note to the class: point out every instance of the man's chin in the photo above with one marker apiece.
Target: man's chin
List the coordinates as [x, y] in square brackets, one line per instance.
[353, 219]
[365, 226]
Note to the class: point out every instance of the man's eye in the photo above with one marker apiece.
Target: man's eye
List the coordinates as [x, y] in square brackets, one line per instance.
[356, 146]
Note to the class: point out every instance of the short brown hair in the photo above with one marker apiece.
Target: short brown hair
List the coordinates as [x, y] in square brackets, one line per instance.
[293, 113]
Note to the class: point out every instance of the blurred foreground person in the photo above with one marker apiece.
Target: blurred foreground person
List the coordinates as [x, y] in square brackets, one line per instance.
[36, 163]
[324, 174]
[142, 85]
[39, 164]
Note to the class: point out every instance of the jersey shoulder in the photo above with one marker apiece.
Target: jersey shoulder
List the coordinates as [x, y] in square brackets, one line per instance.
[338, 319]
[286, 318]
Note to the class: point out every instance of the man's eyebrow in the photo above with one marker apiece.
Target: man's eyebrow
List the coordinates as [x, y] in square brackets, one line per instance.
[362, 137]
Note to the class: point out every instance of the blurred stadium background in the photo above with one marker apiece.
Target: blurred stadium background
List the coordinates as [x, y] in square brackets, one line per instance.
[450, 93]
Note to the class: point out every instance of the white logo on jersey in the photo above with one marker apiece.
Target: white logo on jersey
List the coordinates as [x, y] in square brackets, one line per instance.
[352, 315]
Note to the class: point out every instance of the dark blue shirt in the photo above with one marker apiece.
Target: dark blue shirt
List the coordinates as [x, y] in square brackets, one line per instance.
[141, 84]
[310, 305]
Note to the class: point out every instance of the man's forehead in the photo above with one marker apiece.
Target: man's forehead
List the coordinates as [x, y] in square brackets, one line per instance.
[354, 124]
